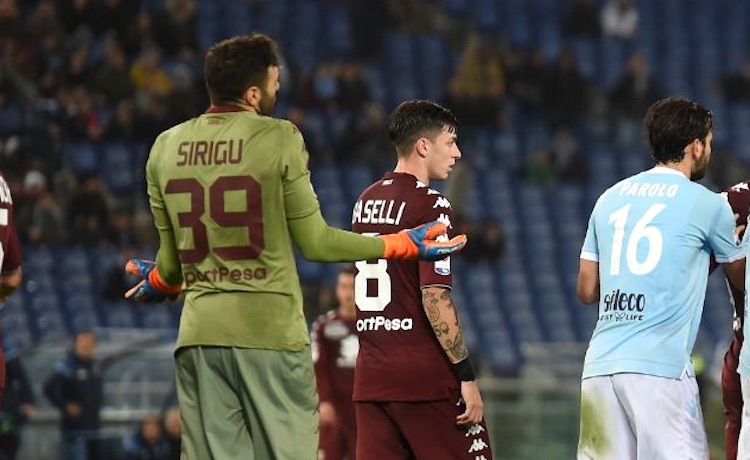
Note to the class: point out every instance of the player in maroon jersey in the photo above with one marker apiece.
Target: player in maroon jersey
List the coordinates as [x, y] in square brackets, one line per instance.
[738, 196]
[10, 259]
[415, 391]
[334, 346]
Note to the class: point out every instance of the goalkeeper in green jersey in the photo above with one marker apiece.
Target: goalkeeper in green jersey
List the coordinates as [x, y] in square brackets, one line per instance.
[230, 191]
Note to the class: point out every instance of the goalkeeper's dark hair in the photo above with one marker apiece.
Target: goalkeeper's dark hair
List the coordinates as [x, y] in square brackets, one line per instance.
[673, 123]
[235, 64]
[418, 118]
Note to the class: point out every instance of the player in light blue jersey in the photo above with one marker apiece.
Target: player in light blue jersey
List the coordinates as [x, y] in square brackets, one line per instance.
[645, 262]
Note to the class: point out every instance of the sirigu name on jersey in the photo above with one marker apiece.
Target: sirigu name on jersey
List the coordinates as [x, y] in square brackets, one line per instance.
[219, 274]
[378, 212]
[375, 323]
[207, 153]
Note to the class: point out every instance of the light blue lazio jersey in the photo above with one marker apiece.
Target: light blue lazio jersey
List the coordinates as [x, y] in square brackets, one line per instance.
[652, 235]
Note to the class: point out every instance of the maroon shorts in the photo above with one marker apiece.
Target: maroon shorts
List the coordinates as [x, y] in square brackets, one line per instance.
[732, 397]
[417, 430]
[338, 440]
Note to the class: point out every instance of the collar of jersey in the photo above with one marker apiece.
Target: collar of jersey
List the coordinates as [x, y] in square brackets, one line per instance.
[664, 170]
[225, 109]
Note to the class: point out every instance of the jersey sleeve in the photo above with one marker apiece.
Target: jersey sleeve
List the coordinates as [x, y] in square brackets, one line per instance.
[299, 197]
[590, 249]
[320, 361]
[12, 259]
[167, 258]
[437, 273]
[722, 236]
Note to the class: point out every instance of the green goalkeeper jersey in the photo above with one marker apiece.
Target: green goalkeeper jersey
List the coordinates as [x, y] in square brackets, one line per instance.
[230, 190]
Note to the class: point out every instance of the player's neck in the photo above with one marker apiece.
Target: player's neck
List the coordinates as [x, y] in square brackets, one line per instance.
[347, 313]
[683, 167]
[405, 166]
[234, 106]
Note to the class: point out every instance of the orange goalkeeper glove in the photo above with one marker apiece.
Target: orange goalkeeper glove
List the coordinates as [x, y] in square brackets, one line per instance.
[152, 288]
[420, 242]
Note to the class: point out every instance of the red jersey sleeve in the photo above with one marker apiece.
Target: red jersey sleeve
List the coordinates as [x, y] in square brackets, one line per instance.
[321, 360]
[438, 273]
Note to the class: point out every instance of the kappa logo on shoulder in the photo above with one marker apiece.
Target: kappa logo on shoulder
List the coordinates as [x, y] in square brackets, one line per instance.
[441, 202]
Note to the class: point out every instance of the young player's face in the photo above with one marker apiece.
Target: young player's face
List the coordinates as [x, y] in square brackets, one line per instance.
[443, 153]
[268, 93]
[345, 291]
[701, 163]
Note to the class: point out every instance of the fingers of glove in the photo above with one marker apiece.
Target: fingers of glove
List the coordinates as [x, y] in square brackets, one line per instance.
[139, 267]
[132, 291]
[437, 250]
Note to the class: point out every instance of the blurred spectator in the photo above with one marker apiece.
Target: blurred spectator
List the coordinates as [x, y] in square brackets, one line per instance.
[619, 19]
[366, 140]
[121, 231]
[116, 281]
[17, 405]
[111, 79]
[321, 88]
[11, 27]
[152, 120]
[88, 212]
[369, 19]
[139, 34]
[582, 20]
[315, 149]
[75, 389]
[148, 442]
[487, 240]
[736, 85]
[122, 125]
[566, 92]
[570, 163]
[634, 91]
[476, 91]
[173, 431]
[353, 92]
[80, 120]
[540, 168]
[184, 102]
[414, 16]
[175, 28]
[527, 76]
[147, 74]
[43, 221]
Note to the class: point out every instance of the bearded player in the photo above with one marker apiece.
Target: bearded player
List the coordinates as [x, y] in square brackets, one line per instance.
[414, 386]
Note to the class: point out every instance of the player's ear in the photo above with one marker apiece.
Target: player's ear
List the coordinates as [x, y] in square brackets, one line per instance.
[421, 147]
[252, 96]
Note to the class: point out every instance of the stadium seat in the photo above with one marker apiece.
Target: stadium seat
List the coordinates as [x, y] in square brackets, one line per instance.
[81, 157]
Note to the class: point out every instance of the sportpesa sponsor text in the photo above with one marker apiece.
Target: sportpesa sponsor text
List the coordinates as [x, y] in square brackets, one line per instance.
[375, 323]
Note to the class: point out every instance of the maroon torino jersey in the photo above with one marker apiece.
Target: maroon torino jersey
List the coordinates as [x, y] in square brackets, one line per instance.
[334, 346]
[738, 196]
[10, 251]
[400, 359]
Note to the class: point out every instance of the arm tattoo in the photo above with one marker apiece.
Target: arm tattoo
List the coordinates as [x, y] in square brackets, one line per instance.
[447, 331]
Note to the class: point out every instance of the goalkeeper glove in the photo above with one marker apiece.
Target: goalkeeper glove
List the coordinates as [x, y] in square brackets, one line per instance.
[419, 242]
[152, 288]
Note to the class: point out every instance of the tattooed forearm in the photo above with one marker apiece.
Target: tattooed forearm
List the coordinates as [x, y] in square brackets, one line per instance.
[443, 317]
[430, 302]
[456, 348]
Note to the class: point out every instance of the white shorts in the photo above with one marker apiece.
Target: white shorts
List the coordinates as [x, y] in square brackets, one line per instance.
[637, 416]
[743, 445]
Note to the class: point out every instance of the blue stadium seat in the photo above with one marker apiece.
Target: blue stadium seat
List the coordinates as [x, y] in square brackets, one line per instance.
[120, 315]
[157, 316]
[118, 168]
[81, 157]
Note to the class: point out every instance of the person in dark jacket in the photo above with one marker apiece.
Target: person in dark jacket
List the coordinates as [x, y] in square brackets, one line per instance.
[75, 388]
[17, 404]
[149, 442]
